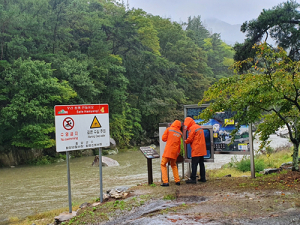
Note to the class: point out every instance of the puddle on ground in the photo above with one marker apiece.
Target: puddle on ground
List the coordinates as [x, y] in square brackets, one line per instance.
[191, 199]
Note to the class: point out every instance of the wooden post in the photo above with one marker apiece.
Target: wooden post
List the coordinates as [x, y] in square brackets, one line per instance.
[150, 174]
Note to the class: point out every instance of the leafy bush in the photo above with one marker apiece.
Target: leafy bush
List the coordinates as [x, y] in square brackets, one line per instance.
[169, 197]
[104, 152]
[269, 150]
[62, 156]
[259, 165]
[233, 161]
[244, 165]
[258, 175]
[45, 160]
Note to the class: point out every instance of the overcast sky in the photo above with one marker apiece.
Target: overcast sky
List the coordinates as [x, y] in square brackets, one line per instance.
[230, 11]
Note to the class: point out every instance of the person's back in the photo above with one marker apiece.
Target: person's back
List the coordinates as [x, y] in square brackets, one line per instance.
[172, 136]
[197, 140]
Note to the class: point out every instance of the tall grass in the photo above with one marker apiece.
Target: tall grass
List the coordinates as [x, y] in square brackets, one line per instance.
[40, 218]
[272, 158]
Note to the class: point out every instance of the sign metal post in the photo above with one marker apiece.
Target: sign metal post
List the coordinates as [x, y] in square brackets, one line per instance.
[252, 164]
[100, 173]
[69, 183]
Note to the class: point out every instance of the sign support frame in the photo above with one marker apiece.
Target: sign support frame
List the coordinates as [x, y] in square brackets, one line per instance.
[100, 173]
[251, 152]
[69, 183]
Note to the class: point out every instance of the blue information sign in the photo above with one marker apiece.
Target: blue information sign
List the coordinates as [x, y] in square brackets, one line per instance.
[223, 125]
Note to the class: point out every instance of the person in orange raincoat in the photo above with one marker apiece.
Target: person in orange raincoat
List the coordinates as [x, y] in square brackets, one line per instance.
[172, 136]
[197, 140]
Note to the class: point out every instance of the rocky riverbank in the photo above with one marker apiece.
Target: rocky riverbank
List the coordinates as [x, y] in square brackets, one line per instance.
[271, 199]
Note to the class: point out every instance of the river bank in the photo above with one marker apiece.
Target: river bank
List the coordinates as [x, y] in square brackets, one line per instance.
[28, 190]
[228, 200]
[268, 200]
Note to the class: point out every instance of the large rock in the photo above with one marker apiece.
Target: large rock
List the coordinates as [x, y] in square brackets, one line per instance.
[64, 217]
[105, 161]
[112, 143]
[118, 192]
[271, 170]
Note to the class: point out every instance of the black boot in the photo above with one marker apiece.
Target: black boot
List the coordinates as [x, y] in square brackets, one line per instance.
[164, 184]
[202, 180]
[190, 181]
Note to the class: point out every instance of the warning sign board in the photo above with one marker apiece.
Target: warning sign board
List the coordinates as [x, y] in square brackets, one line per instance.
[95, 123]
[81, 127]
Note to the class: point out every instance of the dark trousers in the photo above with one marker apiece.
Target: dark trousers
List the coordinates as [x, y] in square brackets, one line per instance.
[195, 161]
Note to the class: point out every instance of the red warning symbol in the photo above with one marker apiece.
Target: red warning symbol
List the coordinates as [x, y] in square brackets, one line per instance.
[68, 123]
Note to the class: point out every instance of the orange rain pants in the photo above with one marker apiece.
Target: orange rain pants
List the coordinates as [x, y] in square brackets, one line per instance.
[164, 170]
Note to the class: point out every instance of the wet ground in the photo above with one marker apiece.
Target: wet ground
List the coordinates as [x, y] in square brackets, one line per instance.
[27, 190]
[266, 200]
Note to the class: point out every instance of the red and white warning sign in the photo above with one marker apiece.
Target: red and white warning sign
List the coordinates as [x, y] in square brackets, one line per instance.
[81, 127]
[68, 123]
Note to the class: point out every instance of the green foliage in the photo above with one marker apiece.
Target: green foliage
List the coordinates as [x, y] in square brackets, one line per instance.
[145, 29]
[28, 95]
[269, 150]
[119, 204]
[281, 23]
[88, 52]
[258, 175]
[196, 31]
[182, 152]
[121, 129]
[169, 197]
[46, 159]
[219, 56]
[244, 165]
[62, 156]
[268, 92]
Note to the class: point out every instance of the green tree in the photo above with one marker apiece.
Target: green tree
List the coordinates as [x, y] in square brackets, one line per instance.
[269, 92]
[21, 23]
[152, 88]
[145, 67]
[281, 23]
[79, 78]
[27, 97]
[196, 31]
[219, 56]
[192, 74]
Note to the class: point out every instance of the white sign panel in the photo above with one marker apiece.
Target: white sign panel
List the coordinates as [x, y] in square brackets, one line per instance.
[81, 127]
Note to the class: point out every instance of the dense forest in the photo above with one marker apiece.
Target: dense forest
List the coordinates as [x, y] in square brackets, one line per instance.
[146, 67]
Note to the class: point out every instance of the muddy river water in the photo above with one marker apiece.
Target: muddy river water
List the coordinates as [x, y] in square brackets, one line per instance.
[31, 189]
[26, 190]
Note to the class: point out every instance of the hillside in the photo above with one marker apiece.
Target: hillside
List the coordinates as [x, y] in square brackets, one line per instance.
[230, 34]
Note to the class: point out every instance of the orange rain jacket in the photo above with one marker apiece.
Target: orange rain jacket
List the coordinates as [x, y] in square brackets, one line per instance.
[196, 137]
[172, 136]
